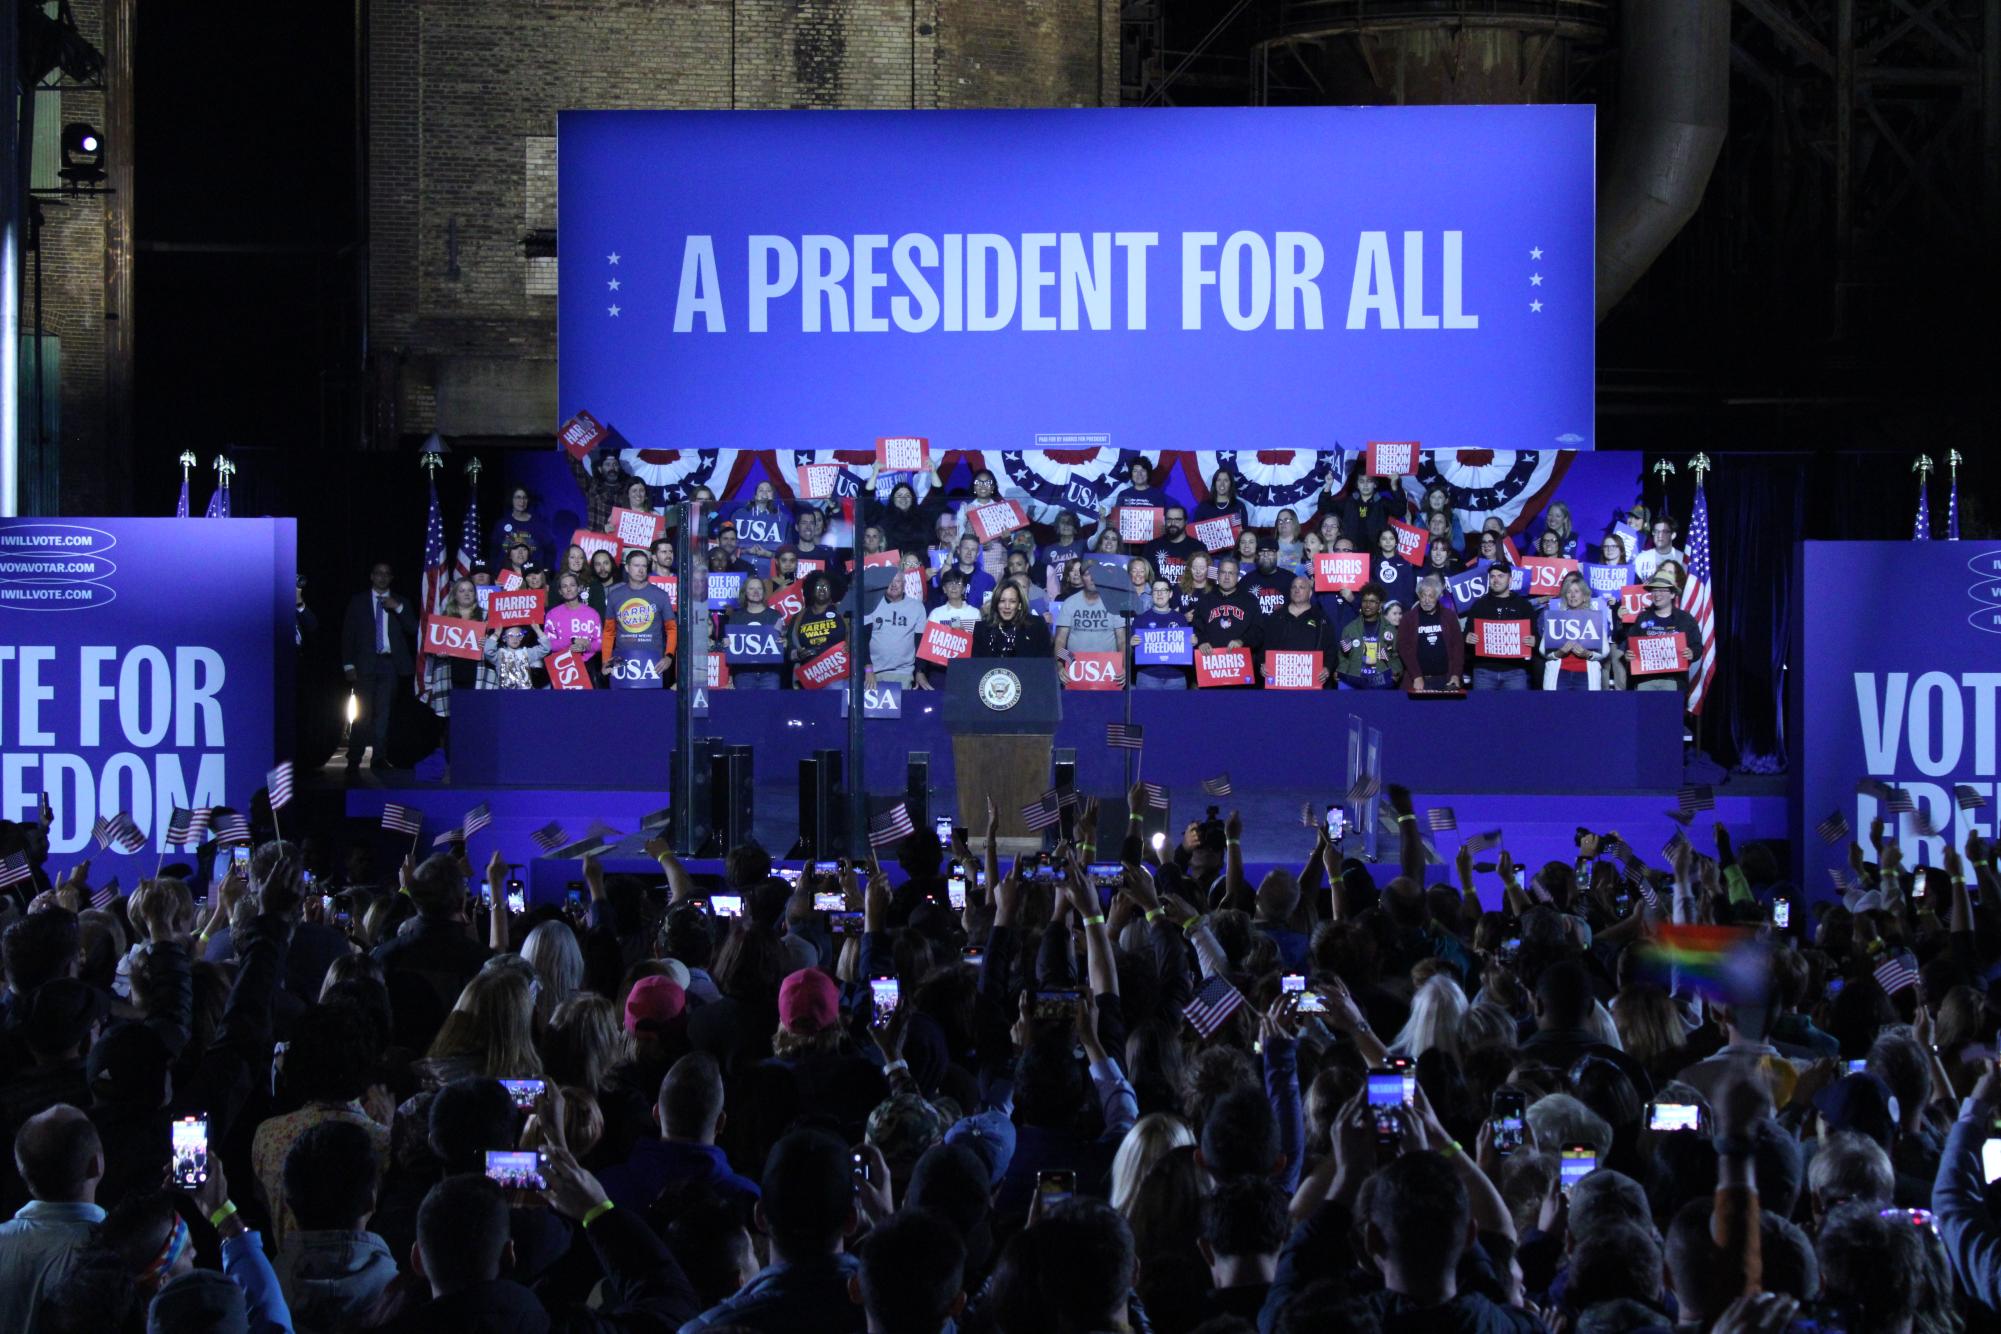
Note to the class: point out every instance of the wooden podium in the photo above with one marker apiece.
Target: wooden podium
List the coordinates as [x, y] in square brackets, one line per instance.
[1002, 715]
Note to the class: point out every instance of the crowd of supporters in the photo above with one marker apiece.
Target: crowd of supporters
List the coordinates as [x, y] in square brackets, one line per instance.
[776, 593]
[1098, 1089]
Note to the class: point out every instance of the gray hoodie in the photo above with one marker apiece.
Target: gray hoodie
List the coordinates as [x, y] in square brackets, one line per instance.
[330, 1277]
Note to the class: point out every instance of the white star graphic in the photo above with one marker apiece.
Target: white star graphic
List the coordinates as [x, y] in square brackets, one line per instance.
[1535, 306]
[1535, 252]
[612, 258]
[613, 285]
[614, 312]
[1535, 280]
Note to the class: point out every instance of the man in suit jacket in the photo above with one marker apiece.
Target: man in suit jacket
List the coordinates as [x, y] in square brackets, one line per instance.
[377, 642]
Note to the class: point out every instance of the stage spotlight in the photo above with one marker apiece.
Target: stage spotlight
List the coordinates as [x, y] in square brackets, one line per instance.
[83, 154]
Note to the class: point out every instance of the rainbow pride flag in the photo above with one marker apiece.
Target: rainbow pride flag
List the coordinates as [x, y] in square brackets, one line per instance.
[1726, 963]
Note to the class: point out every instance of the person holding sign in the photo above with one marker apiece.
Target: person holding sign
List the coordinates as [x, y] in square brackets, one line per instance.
[976, 582]
[1195, 584]
[893, 627]
[1084, 624]
[753, 639]
[515, 656]
[1067, 547]
[1221, 617]
[762, 525]
[955, 611]
[639, 634]
[1429, 642]
[1661, 622]
[571, 626]
[1369, 510]
[1291, 540]
[1166, 624]
[443, 675]
[904, 524]
[1299, 625]
[812, 525]
[602, 486]
[1138, 491]
[1499, 603]
[1174, 548]
[1367, 660]
[1007, 630]
[818, 626]
[1439, 560]
[1389, 570]
[1576, 637]
[1222, 502]
[734, 561]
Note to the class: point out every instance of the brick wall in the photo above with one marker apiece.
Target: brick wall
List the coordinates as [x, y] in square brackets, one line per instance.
[463, 101]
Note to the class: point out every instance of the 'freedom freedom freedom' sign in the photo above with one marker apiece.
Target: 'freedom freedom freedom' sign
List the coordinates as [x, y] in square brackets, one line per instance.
[1378, 273]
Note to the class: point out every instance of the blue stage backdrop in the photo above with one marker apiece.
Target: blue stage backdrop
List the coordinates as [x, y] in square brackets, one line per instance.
[1000, 280]
[144, 664]
[1896, 681]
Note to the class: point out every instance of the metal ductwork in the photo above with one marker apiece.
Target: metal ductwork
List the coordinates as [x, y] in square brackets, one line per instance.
[1674, 107]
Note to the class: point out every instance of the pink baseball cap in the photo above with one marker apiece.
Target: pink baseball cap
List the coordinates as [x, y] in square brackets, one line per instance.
[808, 1001]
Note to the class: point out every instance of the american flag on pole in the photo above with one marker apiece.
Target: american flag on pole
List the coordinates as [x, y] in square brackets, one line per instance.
[402, 819]
[1124, 736]
[278, 783]
[1042, 812]
[1065, 796]
[1156, 796]
[1834, 829]
[1698, 603]
[1441, 819]
[232, 828]
[478, 818]
[1968, 797]
[181, 511]
[1897, 972]
[1482, 842]
[1219, 786]
[890, 827]
[467, 554]
[437, 583]
[549, 837]
[14, 869]
[1214, 1001]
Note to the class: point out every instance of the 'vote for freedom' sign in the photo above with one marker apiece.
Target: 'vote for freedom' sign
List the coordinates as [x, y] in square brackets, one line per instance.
[1167, 646]
[1652, 655]
[1502, 639]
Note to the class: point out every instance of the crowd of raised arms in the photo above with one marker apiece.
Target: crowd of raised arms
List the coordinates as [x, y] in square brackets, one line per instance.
[1113, 1091]
[1071, 587]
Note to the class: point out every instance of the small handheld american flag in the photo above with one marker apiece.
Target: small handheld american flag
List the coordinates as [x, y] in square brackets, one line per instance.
[1968, 797]
[125, 835]
[185, 826]
[450, 838]
[476, 819]
[278, 783]
[1873, 787]
[1367, 787]
[1675, 840]
[402, 819]
[1042, 812]
[14, 869]
[1897, 972]
[1441, 819]
[232, 827]
[1696, 798]
[1922, 825]
[1901, 802]
[549, 837]
[1219, 786]
[1482, 842]
[1213, 1003]
[1124, 736]
[1156, 796]
[100, 829]
[106, 894]
[890, 827]
[1834, 829]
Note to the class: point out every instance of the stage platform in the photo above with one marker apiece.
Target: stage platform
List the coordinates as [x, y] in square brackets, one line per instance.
[1537, 765]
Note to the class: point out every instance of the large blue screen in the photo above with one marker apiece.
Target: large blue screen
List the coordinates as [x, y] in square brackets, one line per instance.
[1190, 279]
[144, 664]
[1911, 704]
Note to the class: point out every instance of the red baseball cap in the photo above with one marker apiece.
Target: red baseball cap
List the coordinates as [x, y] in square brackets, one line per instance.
[653, 1004]
[808, 1001]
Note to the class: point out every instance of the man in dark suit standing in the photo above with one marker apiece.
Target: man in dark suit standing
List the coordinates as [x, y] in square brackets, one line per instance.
[376, 646]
